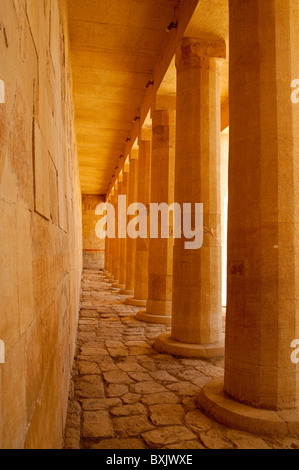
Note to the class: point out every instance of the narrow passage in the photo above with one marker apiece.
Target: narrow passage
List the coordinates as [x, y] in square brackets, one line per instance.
[124, 395]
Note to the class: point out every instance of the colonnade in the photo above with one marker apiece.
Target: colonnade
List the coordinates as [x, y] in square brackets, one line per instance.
[179, 160]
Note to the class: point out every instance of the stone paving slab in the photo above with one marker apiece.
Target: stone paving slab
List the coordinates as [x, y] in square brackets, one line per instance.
[125, 395]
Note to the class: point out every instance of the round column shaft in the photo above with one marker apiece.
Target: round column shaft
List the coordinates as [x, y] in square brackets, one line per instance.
[196, 310]
[123, 241]
[141, 257]
[261, 383]
[115, 241]
[107, 250]
[159, 302]
[109, 246]
[131, 242]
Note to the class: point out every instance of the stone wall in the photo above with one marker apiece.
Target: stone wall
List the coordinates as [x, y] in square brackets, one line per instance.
[40, 230]
[93, 247]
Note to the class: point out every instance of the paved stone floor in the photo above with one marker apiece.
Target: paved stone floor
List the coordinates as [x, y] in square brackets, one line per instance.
[124, 395]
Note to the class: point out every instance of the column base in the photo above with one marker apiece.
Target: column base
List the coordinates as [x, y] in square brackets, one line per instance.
[135, 302]
[149, 318]
[126, 292]
[118, 286]
[219, 406]
[164, 344]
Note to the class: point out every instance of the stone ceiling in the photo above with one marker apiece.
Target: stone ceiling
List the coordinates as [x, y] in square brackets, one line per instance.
[115, 48]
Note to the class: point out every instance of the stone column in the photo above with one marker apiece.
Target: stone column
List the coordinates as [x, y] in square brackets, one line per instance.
[123, 241]
[159, 302]
[224, 196]
[141, 260]
[131, 242]
[261, 383]
[196, 312]
[114, 250]
[106, 266]
[106, 271]
[116, 259]
[110, 246]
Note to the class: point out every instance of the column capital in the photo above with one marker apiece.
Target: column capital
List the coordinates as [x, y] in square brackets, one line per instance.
[145, 134]
[126, 167]
[164, 102]
[197, 52]
[134, 154]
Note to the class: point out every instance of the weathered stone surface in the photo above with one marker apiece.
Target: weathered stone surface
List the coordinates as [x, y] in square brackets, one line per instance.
[72, 438]
[282, 442]
[132, 426]
[216, 440]
[137, 351]
[198, 422]
[115, 344]
[166, 414]
[116, 390]
[184, 388]
[93, 248]
[185, 445]
[97, 424]
[147, 387]
[163, 376]
[189, 374]
[190, 403]
[167, 435]
[107, 366]
[3, 137]
[119, 444]
[89, 386]
[74, 407]
[128, 410]
[88, 368]
[40, 262]
[131, 398]
[140, 376]
[86, 351]
[100, 404]
[140, 344]
[82, 337]
[89, 313]
[135, 407]
[200, 381]
[210, 370]
[118, 352]
[159, 398]
[73, 420]
[130, 367]
[117, 377]
[246, 441]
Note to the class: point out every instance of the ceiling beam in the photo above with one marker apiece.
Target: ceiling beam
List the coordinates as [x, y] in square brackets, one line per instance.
[184, 15]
